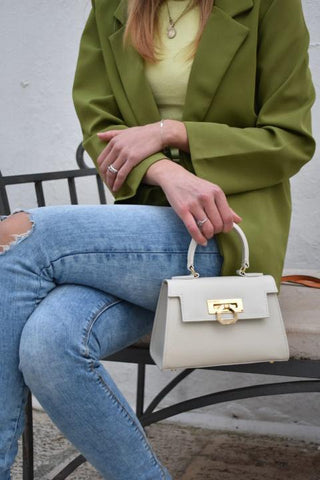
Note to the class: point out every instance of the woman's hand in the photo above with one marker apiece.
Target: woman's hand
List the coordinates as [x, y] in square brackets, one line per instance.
[127, 148]
[193, 199]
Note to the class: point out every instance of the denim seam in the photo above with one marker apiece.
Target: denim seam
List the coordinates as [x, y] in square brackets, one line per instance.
[121, 252]
[104, 307]
[16, 422]
[127, 415]
[101, 381]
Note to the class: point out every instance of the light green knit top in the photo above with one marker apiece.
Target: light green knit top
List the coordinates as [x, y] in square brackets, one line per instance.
[169, 77]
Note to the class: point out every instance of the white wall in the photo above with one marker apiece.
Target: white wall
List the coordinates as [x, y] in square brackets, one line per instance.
[39, 131]
[304, 245]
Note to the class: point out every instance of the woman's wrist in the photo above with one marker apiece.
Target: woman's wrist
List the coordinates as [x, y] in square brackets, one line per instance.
[159, 171]
[173, 133]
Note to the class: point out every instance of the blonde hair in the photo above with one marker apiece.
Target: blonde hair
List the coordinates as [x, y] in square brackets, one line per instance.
[142, 24]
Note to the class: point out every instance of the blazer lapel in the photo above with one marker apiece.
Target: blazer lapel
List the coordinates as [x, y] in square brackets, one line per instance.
[130, 66]
[221, 39]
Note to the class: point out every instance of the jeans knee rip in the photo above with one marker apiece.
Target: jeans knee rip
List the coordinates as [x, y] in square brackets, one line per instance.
[17, 237]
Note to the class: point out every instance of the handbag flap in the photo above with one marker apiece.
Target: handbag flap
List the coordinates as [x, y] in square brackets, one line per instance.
[194, 294]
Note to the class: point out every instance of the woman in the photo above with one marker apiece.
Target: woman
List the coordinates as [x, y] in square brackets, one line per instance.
[202, 107]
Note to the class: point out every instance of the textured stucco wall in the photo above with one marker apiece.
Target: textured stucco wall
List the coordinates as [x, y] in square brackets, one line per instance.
[39, 132]
[304, 242]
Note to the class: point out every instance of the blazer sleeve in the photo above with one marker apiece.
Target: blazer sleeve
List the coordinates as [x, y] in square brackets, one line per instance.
[96, 106]
[281, 142]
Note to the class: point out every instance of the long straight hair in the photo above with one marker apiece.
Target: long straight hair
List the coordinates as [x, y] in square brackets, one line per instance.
[142, 24]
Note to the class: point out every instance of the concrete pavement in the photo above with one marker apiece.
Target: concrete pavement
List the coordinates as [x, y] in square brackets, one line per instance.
[194, 454]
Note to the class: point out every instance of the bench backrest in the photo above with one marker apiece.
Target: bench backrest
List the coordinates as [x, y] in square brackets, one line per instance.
[39, 178]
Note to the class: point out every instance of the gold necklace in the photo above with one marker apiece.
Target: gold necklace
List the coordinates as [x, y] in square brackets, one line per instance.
[171, 31]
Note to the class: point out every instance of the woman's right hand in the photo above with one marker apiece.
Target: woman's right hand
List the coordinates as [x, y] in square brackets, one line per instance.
[193, 199]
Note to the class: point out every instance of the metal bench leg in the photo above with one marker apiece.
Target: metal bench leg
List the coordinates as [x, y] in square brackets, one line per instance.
[140, 389]
[27, 442]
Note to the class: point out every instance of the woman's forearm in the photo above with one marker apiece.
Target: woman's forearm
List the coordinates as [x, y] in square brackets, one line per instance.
[127, 148]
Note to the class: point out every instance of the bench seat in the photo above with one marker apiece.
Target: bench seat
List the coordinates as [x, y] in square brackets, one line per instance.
[300, 306]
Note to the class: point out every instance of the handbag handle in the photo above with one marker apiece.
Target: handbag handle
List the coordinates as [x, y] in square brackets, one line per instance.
[245, 253]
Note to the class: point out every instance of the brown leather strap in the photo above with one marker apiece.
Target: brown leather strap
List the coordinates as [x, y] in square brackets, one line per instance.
[305, 280]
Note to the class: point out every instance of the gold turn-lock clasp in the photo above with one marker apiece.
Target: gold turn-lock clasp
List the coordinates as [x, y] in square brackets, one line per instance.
[219, 307]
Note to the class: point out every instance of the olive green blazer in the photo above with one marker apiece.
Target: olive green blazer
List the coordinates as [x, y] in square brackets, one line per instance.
[247, 112]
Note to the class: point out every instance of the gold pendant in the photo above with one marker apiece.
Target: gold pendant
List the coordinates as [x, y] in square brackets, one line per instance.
[171, 32]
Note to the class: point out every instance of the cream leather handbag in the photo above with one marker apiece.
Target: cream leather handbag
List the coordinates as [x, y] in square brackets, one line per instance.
[202, 322]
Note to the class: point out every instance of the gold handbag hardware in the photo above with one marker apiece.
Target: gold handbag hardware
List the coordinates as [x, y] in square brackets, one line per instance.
[218, 307]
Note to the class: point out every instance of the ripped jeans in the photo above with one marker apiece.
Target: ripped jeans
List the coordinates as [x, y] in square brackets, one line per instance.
[81, 284]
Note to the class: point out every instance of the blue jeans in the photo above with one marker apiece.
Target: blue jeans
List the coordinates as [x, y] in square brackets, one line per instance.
[82, 284]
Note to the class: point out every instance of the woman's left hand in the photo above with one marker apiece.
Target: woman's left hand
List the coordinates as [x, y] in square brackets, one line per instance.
[126, 149]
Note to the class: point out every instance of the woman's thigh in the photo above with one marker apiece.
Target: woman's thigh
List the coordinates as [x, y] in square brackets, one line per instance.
[124, 250]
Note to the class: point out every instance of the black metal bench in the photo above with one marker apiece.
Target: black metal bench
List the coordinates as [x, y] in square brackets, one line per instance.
[139, 352]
